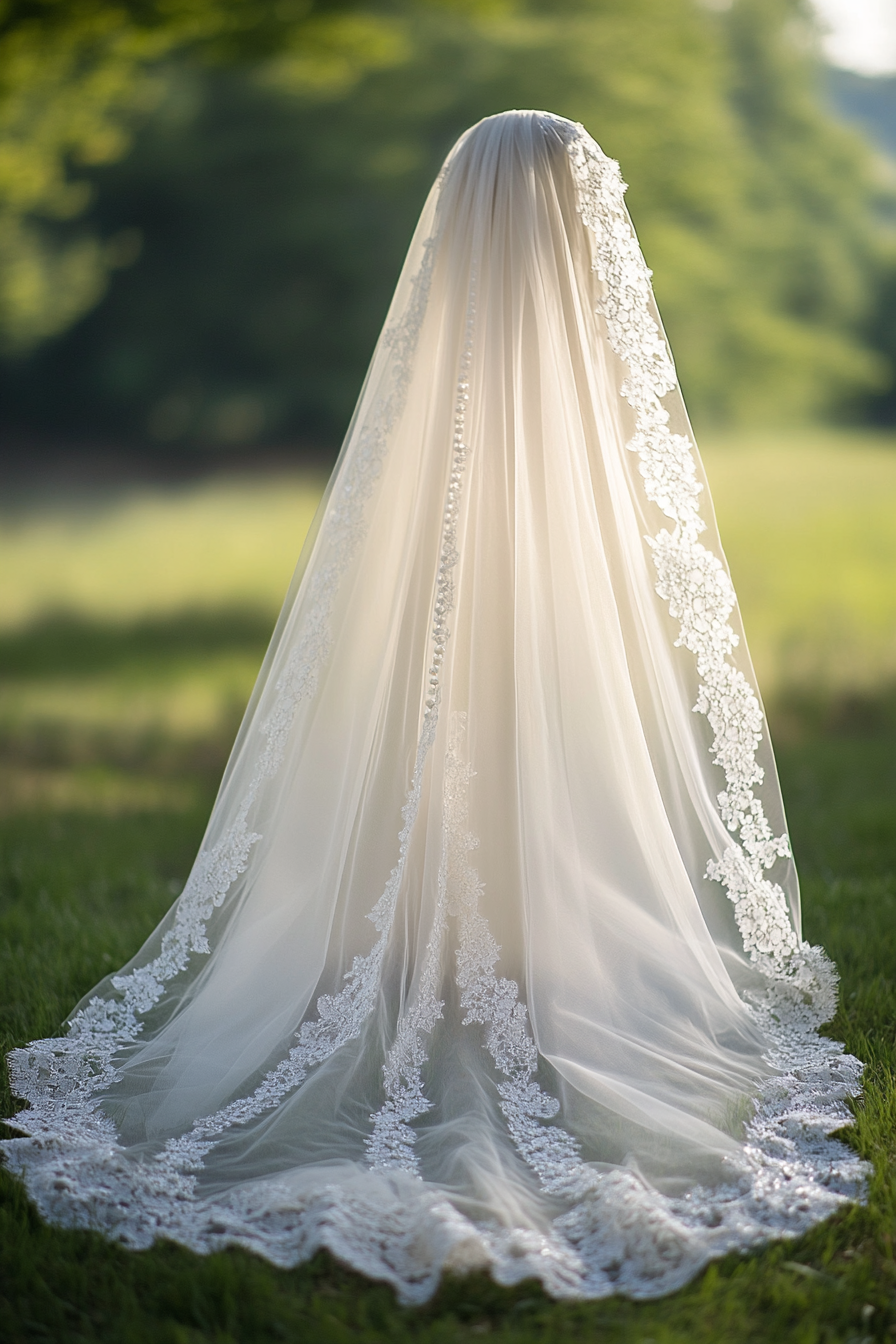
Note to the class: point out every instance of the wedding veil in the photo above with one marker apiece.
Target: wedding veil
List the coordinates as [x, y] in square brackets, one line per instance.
[491, 955]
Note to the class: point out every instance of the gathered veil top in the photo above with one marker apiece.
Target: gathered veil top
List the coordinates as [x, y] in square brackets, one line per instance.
[491, 956]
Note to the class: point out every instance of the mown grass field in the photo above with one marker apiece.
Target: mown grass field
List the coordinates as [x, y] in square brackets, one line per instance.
[131, 625]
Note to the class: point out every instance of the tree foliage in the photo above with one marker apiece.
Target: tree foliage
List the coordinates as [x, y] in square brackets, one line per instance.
[248, 174]
[76, 77]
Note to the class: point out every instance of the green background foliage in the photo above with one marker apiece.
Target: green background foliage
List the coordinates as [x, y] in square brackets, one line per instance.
[203, 207]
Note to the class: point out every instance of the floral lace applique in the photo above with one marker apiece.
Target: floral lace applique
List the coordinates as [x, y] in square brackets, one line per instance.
[391, 1143]
[495, 1003]
[80, 1063]
[341, 1016]
[696, 586]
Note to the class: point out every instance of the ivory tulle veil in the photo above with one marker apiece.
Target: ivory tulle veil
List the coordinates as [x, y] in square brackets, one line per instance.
[491, 955]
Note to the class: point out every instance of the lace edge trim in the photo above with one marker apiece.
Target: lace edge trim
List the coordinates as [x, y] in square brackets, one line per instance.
[696, 586]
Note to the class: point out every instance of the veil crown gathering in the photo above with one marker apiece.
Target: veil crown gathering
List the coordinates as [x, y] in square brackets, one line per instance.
[491, 956]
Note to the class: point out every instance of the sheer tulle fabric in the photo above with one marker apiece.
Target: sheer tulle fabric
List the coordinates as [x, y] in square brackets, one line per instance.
[491, 954]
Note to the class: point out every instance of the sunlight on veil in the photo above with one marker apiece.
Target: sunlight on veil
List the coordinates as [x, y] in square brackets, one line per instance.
[492, 953]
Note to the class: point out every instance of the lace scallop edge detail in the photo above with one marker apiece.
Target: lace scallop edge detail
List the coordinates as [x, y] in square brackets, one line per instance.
[622, 1237]
[104, 1025]
[699, 593]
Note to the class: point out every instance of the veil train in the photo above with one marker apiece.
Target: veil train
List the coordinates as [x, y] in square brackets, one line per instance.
[491, 955]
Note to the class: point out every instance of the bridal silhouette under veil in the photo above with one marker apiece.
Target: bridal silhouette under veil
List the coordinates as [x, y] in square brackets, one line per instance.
[491, 956]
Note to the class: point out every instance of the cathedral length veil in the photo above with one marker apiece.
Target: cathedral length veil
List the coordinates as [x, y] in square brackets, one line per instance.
[491, 956]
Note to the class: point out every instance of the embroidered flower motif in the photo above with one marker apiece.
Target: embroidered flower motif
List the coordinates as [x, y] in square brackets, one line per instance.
[690, 578]
[104, 1025]
[391, 1144]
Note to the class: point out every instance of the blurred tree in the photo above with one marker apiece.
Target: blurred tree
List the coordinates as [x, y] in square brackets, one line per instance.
[63, 98]
[76, 76]
[871, 102]
[280, 155]
[818, 247]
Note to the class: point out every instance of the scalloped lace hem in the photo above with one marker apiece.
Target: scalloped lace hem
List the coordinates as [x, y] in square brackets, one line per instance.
[622, 1237]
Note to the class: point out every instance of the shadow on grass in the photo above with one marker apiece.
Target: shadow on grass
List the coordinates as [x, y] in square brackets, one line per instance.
[813, 713]
[153, 653]
[64, 643]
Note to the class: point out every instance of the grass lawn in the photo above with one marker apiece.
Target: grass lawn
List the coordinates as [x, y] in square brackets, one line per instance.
[114, 721]
[808, 522]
